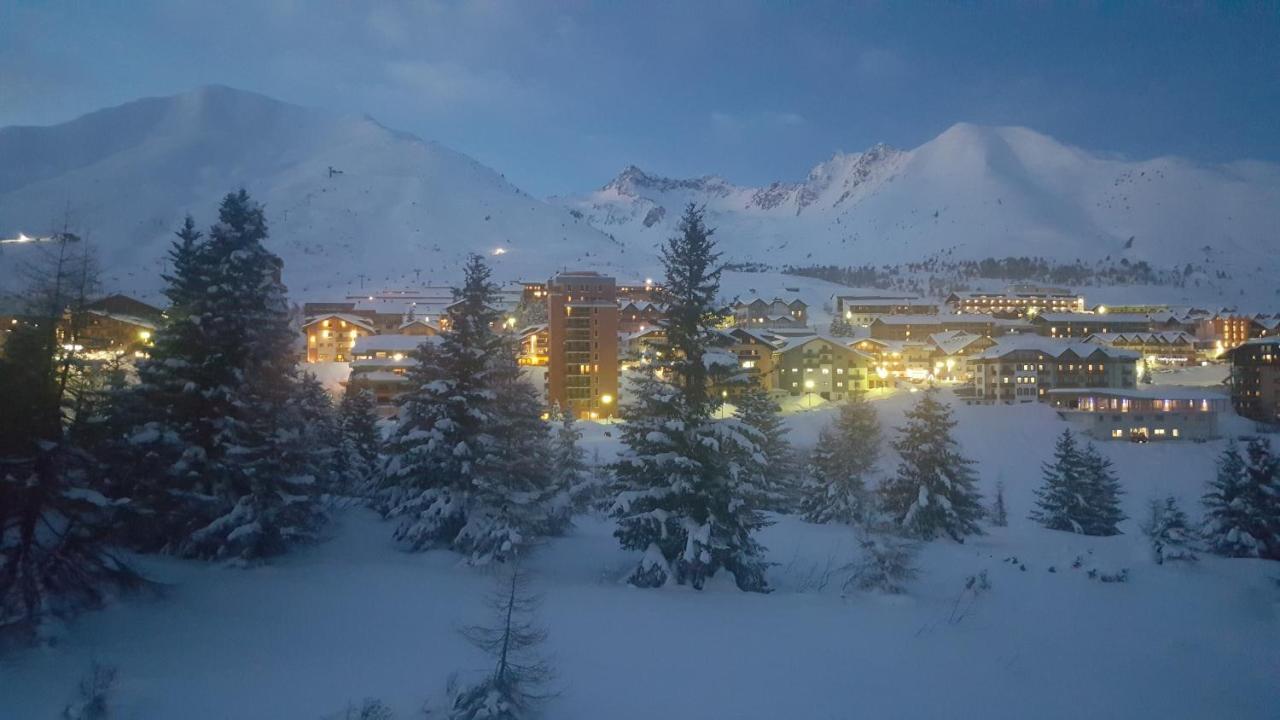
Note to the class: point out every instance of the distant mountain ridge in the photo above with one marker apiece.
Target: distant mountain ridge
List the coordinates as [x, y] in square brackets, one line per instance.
[349, 202]
[352, 203]
[970, 193]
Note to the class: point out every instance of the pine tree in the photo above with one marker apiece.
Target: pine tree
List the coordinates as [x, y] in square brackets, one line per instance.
[1169, 531]
[184, 285]
[999, 515]
[215, 449]
[776, 458]
[1062, 501]
[569, 462]
[55, 521]
[1103, 496]
[516, 684]
[686, 499]
[840, 327]
[468, 464]
[934, 490]
[1242, 507]
[843, 460]
[886, 564]
[1080, 493]
[356, 459]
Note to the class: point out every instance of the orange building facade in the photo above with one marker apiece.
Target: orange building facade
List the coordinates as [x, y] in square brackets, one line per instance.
[582, 343]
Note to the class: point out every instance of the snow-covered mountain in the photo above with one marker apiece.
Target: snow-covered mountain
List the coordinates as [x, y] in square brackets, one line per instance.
[970, 193]
[393, 204]
[352, 203]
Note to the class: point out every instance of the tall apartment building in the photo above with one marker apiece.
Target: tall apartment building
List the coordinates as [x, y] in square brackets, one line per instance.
[582, 335]
[1255, 379]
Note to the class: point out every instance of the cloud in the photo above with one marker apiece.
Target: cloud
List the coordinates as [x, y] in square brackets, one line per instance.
[876, 63]
[449, 82]
[733, 127]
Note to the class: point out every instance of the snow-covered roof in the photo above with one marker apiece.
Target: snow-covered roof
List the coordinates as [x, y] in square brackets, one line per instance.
[936, 319]
[1052, 347]
[130, 319]
[1095, 317]
[1275, 340]
[1167, 337]
[1149, 392]
[419, 321]
[799, 342]
[953, 341]
[350, 319]
[380, 376]
[390, 343]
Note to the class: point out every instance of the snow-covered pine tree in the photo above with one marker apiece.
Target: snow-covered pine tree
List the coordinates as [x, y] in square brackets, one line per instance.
[840, 327]
[758, 411]
[272, 499]
[1103, 494]
[569, 462]
[467, 464]
[685, 499]
[1080, 493]
[517, 683]
[934, 490]
[1169, 531]
[213, 450]
[319, 438]
[1242, 506]
[886, 564]
[356, 459]
[168, 456]
[1062, 499]
[842, 462]
[55, 521]
[999, 514]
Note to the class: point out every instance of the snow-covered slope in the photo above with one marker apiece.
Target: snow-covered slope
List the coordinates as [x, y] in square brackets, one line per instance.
[970, 193]
[356, 617]
[126, 175]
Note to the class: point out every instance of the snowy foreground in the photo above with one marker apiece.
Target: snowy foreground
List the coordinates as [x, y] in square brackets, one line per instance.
[355, 618]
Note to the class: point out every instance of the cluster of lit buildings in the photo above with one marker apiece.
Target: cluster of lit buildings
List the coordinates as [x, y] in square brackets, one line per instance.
[1025, 344]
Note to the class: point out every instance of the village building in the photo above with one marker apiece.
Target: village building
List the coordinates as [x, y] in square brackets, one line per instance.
[379, 364]
[1082, 325]
[1016, 301]
[420, 326]
[861, 309]
[535, 342]
[920, 327]
[1026, 368]
[118, 324]
[775, 313]
[643, 291]
[821, 365]
[1157, 348]
[636, 345]
[331, 337]
[582, 366]
[756, 353]
[952, 351]
[638, 315]
[1255, 379]
[1141, 414]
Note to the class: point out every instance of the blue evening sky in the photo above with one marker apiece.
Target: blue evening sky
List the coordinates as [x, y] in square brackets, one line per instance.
[561, 95]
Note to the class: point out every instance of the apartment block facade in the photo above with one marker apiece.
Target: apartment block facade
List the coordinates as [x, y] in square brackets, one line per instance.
[1255, 379]
[1016, 301]
[1025, 369]
[582, 343]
